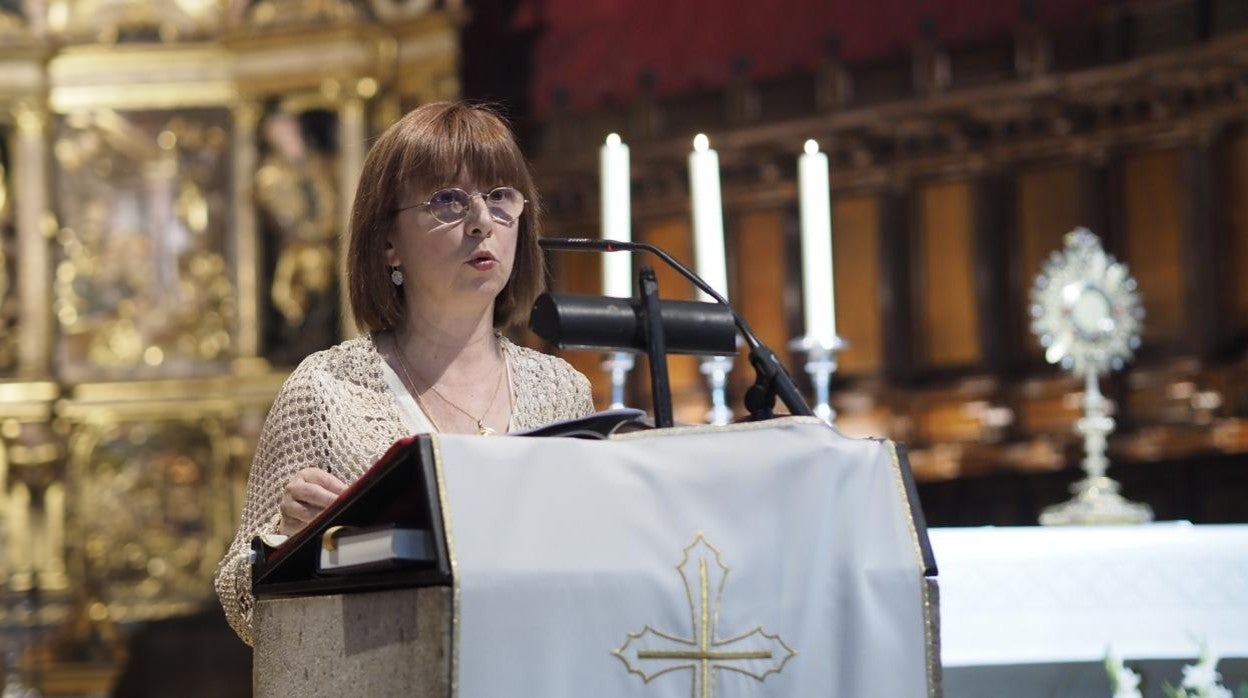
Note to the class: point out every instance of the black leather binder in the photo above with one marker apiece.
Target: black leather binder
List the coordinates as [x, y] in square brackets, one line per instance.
[402, 489]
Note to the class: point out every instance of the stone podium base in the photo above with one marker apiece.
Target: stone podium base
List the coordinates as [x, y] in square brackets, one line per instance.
[389, 643]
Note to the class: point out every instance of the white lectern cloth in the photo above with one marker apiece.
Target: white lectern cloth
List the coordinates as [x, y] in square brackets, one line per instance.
[566, 555]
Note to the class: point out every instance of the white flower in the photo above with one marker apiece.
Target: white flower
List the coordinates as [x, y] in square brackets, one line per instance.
[1126, 683]
[1217, 692]
[1203, 676]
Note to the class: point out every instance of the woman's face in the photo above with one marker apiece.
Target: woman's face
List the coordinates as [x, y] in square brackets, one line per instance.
[462, 263]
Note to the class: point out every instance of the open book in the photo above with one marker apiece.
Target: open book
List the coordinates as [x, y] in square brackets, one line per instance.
[598, 425]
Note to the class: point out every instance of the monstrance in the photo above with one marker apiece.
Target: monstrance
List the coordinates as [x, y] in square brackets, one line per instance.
[1087, 315]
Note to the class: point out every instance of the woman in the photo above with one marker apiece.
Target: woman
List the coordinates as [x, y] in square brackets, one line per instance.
[443, 254]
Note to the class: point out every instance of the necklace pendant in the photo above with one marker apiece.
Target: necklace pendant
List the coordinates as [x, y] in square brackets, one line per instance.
[483, 430]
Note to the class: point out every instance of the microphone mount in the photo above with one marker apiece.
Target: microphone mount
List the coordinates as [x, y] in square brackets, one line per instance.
[771, 380]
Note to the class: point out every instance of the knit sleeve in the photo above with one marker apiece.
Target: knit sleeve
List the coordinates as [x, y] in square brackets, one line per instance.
[294, 437]
[572, 397]
[582, 402]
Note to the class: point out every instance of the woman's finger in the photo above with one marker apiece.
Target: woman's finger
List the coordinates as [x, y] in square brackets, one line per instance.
[312, 495]
[324, 479]
[294, 511]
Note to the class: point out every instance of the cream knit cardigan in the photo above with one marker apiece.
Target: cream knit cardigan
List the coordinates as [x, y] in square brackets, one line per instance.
[336, 412]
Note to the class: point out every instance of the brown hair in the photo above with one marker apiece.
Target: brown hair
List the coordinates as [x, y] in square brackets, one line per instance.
[427, 149]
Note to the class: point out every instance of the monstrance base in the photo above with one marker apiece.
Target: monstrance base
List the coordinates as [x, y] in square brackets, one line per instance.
[1094, 504]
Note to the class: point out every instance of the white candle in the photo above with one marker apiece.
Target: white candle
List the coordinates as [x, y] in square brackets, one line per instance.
[708, 216]
[617, 267]
[817, 282]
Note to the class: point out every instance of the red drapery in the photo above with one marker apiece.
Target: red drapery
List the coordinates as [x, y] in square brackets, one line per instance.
[596, 49]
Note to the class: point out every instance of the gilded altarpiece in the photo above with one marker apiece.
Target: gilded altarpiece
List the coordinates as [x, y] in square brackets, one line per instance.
[174, 183]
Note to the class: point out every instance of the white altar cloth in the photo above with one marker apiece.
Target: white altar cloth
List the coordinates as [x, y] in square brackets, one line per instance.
[1033, 595]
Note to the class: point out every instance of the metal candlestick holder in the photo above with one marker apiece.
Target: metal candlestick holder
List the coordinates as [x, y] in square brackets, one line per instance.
[618, 364]
[821, 363]
[716, 369]
[1096, 499]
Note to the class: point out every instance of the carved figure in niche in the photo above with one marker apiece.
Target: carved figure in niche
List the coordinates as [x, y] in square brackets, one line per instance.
[297, 198]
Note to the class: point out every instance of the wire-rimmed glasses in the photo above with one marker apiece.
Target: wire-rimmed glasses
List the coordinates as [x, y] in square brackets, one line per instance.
[450, 205]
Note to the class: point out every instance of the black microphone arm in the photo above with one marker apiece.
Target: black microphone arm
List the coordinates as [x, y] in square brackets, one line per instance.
[771, 379]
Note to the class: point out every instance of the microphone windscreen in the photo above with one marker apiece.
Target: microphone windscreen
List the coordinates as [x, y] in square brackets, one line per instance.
[614, 324]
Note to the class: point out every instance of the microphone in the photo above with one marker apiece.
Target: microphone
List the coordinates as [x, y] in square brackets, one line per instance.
[598, 322]
[771, 378]
[579, 244]
[600, 245]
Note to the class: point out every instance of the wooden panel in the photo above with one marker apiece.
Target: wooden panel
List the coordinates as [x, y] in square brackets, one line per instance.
[577, 272]
[759, 270]
[1153, 239]
[856, 249]
[758, 293]
[574, 272]
[948, 326]
[897, 284]
[1049, 206]
[689, 399]
[1235, 196]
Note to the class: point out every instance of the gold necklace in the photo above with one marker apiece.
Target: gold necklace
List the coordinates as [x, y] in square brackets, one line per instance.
[482, 429]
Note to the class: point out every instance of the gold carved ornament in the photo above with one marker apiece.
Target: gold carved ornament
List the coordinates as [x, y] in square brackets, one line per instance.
[146, 523]
[111, 21]
[267, 14]
[141, 279]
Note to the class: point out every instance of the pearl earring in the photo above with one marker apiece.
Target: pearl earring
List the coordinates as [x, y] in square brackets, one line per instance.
[396, 276]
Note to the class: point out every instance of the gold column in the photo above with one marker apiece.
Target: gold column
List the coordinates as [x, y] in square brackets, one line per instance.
[246, 240]
[352, 137]
[20, 545]
[30, 177]
[52, 568]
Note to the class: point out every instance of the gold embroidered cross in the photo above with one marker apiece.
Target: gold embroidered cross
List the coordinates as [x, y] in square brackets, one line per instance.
[651, 653]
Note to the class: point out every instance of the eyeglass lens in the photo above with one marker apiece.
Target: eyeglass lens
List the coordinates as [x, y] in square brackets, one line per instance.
[505, 204]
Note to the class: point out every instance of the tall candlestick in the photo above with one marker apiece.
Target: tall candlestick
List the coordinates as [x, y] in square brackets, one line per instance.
[708, 252]
[708, 216]
[817, 283]
[617, 269]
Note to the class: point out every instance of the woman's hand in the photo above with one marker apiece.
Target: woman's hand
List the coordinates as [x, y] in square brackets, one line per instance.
[309, 493]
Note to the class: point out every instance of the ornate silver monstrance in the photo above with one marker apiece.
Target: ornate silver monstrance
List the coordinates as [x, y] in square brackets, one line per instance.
[1087, 315]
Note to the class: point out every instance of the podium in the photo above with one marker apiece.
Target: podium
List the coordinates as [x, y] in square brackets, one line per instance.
[772, 558]
[374, 634]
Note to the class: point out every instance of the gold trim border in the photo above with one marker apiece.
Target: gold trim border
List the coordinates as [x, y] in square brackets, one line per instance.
[931, 644]
[449, 530]
[716, 429]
